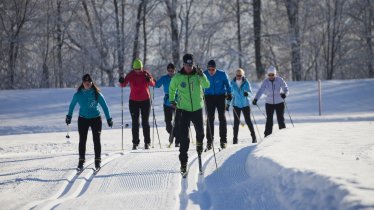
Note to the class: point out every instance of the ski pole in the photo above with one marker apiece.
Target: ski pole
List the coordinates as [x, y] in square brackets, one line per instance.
[68, 129]
[288, 112]
[236, 114]
[122, 114]
[171, 135]
[261, 111]
[154, 117]
[210, 132]
[254, 120]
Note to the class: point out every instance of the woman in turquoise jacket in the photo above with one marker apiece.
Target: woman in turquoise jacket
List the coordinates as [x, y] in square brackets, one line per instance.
[88, 97]
[241, 94]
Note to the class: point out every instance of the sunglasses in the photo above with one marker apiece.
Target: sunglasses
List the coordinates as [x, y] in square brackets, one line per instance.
[238, 75]
[171, 70]
[211, 69]
[271, 75]
[189, 65]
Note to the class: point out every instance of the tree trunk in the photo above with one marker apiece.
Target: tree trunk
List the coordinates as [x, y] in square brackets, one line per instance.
[144, 32]
[292, 7]
[187, 26]
[257, 38]
[135, 52]
[120, 55]
[172, 12]
[239, 33]
[368, 22]
[59, 45]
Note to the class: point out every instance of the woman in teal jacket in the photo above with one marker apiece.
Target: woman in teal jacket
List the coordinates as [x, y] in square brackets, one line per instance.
[88, 97]
[241, 94]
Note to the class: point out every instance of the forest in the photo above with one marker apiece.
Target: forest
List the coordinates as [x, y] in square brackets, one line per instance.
[52, 43]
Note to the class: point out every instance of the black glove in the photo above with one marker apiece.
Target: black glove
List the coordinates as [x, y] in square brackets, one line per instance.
[229, 97]
[110, 122]
[68, 119]
[148, 77]
[173, 104]
[283, 95]
[245, 94]
[254, 102]
[199, 71]
[121, 80]
[227, 107]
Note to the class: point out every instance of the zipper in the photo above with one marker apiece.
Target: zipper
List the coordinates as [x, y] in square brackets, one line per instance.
[189, 88]
[272, 85]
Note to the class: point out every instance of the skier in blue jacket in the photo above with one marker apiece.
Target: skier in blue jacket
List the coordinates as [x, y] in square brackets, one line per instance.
[168, 109]
[241, 94]
[88, 97]
[276, 90]
[215, 96]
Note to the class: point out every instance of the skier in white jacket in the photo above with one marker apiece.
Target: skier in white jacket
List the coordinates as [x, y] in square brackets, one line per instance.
[276, 90]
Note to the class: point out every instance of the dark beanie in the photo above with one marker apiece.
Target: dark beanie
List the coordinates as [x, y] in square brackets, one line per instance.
[188, 59]
[170, 66]
[87, 78]
[212, 64]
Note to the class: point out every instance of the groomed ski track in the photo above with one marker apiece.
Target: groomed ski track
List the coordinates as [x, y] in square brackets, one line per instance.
[127, 177]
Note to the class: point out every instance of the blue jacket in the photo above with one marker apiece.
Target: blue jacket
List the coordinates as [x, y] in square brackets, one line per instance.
[164, 81]
[238, 98]
[219, 83]
[88, 105]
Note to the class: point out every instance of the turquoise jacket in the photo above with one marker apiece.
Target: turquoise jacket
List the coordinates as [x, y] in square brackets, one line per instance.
[88, 105]
[238, 98]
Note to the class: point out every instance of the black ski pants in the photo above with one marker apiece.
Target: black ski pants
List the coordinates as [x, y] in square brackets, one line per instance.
[83, 125]
[279, 109]
[168, 113]
[185, 118]
[247, 116]
[214, 102]
[143, 108]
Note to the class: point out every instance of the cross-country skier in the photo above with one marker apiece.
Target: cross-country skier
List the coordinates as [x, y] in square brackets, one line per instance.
[215, 98]
[88, 96]
[241, 94]
[168, 109]
[189, 82]
[276, 90]
[140, 101]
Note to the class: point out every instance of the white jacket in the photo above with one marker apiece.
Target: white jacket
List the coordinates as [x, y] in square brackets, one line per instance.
[272, 89]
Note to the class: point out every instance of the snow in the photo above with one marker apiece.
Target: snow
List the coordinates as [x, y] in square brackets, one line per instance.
[323, 162]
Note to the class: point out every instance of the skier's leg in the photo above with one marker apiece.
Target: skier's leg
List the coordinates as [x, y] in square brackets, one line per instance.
[211, 109]
[221, 103]
[134, 111]
[197, 120]
[96, 126]
[236, 123]
[269, 119]
[83, 130]
[145, 111]
[247, 116]
[168, 113]
[279, 109]
[184, 137]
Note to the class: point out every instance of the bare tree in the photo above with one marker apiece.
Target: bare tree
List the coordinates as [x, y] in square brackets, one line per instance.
[257, 37]
[171, 6]
[120, 34]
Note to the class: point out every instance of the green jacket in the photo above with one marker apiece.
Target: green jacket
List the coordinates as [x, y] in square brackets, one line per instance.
[190, 90]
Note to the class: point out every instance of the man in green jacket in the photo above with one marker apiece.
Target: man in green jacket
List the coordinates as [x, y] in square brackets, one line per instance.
[189, 82]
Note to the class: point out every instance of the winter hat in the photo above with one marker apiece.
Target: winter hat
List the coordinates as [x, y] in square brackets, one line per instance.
[86, 78]
[212, 64]
[137, 64]
[170, 66]
[188, 59]
[271, 70]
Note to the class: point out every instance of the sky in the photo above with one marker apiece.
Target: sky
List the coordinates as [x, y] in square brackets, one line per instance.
[322, 162]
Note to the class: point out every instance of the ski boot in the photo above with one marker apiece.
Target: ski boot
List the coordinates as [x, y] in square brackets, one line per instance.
[184, 171]
[146, 146]
[97, 163]
[80, 165]
[208, 147]
[223, 145]
[134, 147]
[177, 145]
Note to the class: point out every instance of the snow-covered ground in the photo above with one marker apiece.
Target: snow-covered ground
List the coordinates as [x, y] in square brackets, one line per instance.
[324, 162]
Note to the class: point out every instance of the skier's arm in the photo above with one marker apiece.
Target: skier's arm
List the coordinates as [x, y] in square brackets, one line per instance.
[172, 89]
[284, 87]
[104, 106]
[227, 84]
[72, 105]
[204, 81]
[159, 82]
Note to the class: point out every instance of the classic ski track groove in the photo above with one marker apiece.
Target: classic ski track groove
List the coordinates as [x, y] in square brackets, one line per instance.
[75, 186]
